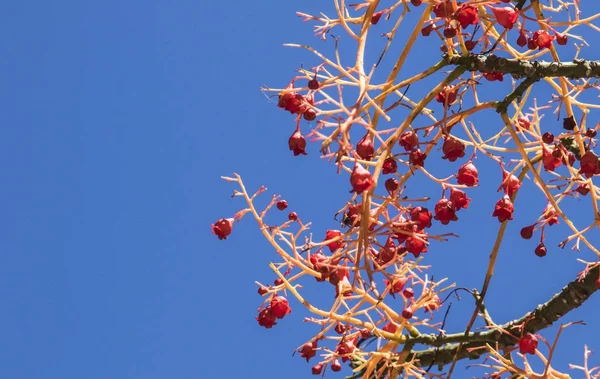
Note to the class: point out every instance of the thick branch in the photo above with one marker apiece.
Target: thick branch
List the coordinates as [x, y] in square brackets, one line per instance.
[570, 297]
[578, 69]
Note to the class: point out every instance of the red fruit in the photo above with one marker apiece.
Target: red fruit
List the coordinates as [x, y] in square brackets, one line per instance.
[443, 9]
[541, 250]
[550, 215]
[447, 95]
[297, 143]
[510, 184]
[467, 15]
[506, 16]
[293, 216]
[522, 40]
[377, 15]
[421, 216]
[548, 137]
[468, 174]
[296, 104]
[590, 133]
[401, 237]
[309, 114]
[434, 304]
[313, 84]
[339, 328]
[569, 123]
[426, 31]
[416, 3]
[278, 282]
[459, 199]
[494, 76]
[407, 313]
[409, 140]
[282, 204]
[589, 164]
[308, 350]
[527, 232]
[286, 96]
[222, 228]
[504, 209]
[352, 215]
[561, 39]
[390, 328]
[338, 274]
[470, 45]
[528, 344]
[397, 284]
[336, 366]
[408, 293]
[417, 158]
[524, 123]
[583, 189]
[280, 307]
[531, 44]
[389, 166]
[542, 39]
[391, 185]
[266, 318]
[360, 179]
[365, 148]
[453, 149]
[444, 211]
[549, 160]
[316, 369]
[333, 246]
[346, 346]
[387, 253]
[262, 290]
[416, 246]
[449, 32]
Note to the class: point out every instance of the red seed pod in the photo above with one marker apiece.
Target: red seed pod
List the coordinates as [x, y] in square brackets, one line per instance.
[266, 318]
[282, 204]
[542, 39]
[222, 228]
[494, 76]
[389, 166]
[524, 123]
[447, 95]
[336, 366]
[313, 84]
[293, 216]
[390, 327]
[434, 304]
[550, 215]
[365, 148]
[407, 313]
[561, 39]
[443, 9]
[459, 199]
[346, 346]
[468, 174]
[297, 143]
[417, 158]
[452, 149]
[548, 137]
[444, 211]
[308, 350]
[391, 185]
[422, 216]
[339, 328]
[549, 160]
[527, 232]
[467, 15]
[583, 189]
[589, 164]
[470, 45]
[415, 245]
[262, 290]
[309, 114]
[377, 15]
[541, 250]
[396, 284]
[506, 16]
[360, 179]
[504, 209]
[409, 140]
[416, 3]
[280, 307]
[528, 344]
[286, 96]
[333, 246]
[522, 40]
[317, 369]
[531, 45]
[449, 32]
[590, 133]
[408, 293]
[426, 31]
[278, 282]
[510, 183]
[387, 253]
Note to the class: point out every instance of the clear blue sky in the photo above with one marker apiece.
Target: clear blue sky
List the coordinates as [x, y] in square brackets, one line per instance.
[117, 120]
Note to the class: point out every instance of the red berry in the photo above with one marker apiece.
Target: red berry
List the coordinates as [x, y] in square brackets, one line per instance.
[408, 293]
[397, 284]
[459, 199]
[504, 209]
[447, 96]
[583, 189]
[548, 137]
[297, 143]
[522, 40]
[360, 179]
[528, 344]
[293, 216]
[422, 216]
[467, 15]
[510, 184]
[365, 148]
[449, 32]
[541, 250]
[222, 228]
[280, 306]
[444, 211]
[333, 246]
[262, 290]
[561, 39]
[452, 149]
[316, 369]
[416, 3]
[376, 16]
[506, 16]
[407, 313]
[589, 164]
[282, 204]
[266, 318]
[308, 350]
[527, 232]
[415, 245]
[313, 84]
[389, 166]
[542, 39]
[549, 160]
[417, 158]
[336, 366]
[468, 174]
[278, 282]
[390, 327]
[391, 185]
[339, 328]
[409, 140]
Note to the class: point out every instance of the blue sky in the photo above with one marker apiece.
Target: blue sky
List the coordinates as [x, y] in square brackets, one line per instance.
[118, 120]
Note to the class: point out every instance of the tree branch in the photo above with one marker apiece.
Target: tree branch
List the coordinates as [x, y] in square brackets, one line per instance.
[578, 69]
